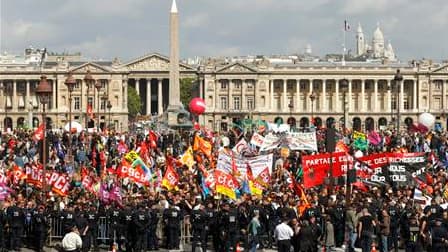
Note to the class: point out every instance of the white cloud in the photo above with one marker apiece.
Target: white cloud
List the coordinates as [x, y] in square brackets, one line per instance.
[197, 20]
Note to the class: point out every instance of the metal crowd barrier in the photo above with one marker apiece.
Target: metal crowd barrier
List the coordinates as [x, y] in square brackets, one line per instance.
[57, 231]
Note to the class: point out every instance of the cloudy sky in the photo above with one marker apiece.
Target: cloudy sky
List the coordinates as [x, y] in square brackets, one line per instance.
[104, 29]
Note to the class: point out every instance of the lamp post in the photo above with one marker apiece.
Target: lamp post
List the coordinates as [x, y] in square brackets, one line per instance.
[397, 79]
[98, 87]
[291, 107]
[70, 82]
[109, 107]
[344, 88]
[44, 92]
[88, 79]
[391, 88]
[312, 98]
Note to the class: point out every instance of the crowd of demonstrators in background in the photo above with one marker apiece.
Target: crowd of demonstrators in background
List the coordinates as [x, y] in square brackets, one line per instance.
[141, 185]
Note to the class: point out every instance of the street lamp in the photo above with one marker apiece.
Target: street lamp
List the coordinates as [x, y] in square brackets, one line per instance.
[312, 98]
[344, 88]
[397, 79]
[44, 92]
[109, 107]
[98, 87]
[70, 82]
[88, 79]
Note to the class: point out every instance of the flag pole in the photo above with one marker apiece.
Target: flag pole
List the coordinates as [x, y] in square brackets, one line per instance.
[343, 43]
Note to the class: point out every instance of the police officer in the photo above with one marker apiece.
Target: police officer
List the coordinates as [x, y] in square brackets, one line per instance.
[82, 224]
[199, 220]
[128, 228]
[211, 225]
[92, 232]
[412, 235]
[394, 213]
[2, 227]
[229, 227]
[68, 218]
[439, 236]
[141, 222]
[40, 228]
[16, 218]
[172, 217]
[153, 215]
[113, 217]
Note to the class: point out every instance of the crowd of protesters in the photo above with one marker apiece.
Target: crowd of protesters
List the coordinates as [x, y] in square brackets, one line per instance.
[151, 217]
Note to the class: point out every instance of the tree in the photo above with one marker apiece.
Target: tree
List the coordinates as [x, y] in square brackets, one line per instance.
[134, 102]
[188, 90]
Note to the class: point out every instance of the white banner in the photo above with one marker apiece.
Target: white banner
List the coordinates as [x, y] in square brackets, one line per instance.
[302, 141]
[270, 142]
[257, 163]
[240, 147]
[257, 139]
[279, 127]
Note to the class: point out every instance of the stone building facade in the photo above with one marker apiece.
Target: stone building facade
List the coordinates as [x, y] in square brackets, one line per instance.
[233, 90]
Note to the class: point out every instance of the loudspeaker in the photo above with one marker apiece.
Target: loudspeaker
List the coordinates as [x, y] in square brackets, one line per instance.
[351, 176]
[330, 142]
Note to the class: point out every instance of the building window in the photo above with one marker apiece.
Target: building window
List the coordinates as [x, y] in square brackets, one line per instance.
[78, 84]
[263, 101]
[302, 86]
[223, 85]
[438, 85]
[250, 103]
[77, 103]
[237, 84]
[223, 102]
[405, 103]
[394, 103]
[21, 87]
[250, 85]
[103, 104]
[103, 84]
[90, 101]
[236, 103]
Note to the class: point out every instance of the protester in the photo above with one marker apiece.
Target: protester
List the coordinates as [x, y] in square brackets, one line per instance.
[72, 241]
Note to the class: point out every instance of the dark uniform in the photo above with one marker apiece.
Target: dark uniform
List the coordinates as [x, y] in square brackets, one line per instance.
[412, 235]
[40, 228]
[439, 237]
[128, 228]
[68, 220]
[16, 221]
[113, 217]
[199, 221]
[92, 232]
[2, 229]
[141, 222]
[228, 222]
[392, 240]
[153, 243]
[211, 226]
[172, 217]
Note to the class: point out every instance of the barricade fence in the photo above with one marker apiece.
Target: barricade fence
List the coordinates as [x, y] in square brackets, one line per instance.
[57, 232]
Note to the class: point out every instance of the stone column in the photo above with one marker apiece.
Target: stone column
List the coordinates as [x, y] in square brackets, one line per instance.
[337, 105]
[414, 96]
[350, 98]
[201, 87]
[125, 95]
[27, 95]
[14, 96]
[375, 95]
[243, 95]
[443, 94]
[285, 97]
[308, 96]
[256, 100]
[324, 96]
[298, 101]
[271, 94]
[148, 96]
[389, 98]
[217, 98]
[137, 86]
[229, 95]
[363, 90]
[160, 96]
[55, 93]
[402, 95]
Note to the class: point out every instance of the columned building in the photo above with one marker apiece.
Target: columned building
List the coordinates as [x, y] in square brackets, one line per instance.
[299, 91]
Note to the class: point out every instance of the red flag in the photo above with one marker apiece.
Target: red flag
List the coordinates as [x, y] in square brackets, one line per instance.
[39, 133]
[171, 178]
[314, 175]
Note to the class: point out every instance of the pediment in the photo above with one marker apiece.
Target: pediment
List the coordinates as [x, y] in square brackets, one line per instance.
[236, 68]
[441, 69]
[90, 66]
[154, 62]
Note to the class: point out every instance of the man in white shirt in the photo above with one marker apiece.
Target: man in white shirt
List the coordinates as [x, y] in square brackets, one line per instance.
[283, 234]
[72, 241]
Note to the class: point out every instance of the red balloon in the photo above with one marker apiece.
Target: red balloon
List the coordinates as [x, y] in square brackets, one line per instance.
[197, 106]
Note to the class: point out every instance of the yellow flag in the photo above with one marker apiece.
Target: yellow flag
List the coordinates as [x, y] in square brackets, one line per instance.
[187, 158]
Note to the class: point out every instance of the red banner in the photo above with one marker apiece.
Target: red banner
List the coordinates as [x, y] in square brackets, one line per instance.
[170, 179]
[59, 182]
[136, 174]
[39, 133]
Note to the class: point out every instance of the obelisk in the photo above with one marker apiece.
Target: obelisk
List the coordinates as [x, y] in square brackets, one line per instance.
[176, 116]
[174, 99]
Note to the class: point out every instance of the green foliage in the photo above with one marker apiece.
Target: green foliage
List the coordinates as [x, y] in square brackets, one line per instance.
[134, 102]
[188, 90]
